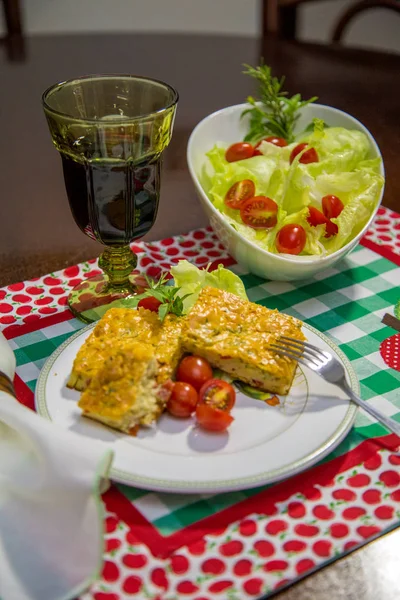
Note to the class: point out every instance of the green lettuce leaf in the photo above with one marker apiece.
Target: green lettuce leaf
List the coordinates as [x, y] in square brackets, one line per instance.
[338, 149]
[278, 153]
[192, 280]
[345, 169]
[298, 183]
[260, 170]
[360, 203]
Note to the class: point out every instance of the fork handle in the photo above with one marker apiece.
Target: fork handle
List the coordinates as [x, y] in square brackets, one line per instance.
[389, 423]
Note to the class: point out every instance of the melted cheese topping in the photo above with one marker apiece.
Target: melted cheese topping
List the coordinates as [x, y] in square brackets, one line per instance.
[235, 335]
[124, 392]
[130, 354]
[124, 325]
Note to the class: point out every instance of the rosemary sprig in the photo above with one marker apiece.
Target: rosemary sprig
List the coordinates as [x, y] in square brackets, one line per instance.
[277, 114]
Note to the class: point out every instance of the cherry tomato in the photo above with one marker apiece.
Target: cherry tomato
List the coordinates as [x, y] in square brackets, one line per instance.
[239, 151]
[315, 217]
[331, 228]
[212, 418]
[217, 393]
[272, 139]
[150, 303]
[332, 206]
[194, 370]
[239, 192]
[309, 156]
[183, 400]
[259, 212]
[277, 141]
[291, 239]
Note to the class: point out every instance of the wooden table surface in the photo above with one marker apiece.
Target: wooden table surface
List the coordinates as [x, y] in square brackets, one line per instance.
[38, 234]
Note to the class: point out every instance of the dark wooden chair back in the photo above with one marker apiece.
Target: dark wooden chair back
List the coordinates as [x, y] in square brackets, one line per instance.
[14, 38]
[280, 16]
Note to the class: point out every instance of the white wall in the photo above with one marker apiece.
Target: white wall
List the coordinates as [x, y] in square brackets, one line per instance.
[378, 28]
[213, 16]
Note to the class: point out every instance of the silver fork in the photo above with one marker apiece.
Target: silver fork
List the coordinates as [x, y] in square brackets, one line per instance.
[330, 369]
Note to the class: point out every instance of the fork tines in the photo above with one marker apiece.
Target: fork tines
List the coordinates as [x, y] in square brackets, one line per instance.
[299, 350]
[301, 345]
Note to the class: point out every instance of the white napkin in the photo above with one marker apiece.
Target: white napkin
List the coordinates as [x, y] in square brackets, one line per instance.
[51, 514]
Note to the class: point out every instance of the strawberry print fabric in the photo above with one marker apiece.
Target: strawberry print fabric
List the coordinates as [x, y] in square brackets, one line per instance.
[30, 300]
[384, 234]
[260, 553]
[386, 229]
[390, 351]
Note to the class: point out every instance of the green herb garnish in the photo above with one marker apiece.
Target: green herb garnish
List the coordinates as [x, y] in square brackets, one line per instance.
[167, 295]
[277, 114]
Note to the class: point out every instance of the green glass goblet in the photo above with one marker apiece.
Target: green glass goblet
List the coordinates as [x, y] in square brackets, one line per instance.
[111, 131]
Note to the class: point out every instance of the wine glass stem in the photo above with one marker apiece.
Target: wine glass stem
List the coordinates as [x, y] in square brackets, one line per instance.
[118, 262]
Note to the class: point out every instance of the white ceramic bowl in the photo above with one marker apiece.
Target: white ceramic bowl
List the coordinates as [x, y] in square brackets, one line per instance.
[226, 127]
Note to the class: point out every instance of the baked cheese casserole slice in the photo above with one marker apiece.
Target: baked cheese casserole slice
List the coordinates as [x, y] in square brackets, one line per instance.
[235, 336]
[124, 393]
[121, 326]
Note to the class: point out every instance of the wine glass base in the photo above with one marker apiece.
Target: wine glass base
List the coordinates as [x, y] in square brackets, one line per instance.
[89, 300]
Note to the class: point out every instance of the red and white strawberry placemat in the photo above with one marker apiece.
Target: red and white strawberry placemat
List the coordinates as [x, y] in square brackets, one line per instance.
[28, 301]
[283, 535]
[384, 235]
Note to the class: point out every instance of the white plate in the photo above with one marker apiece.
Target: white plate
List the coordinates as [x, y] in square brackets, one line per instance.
[264, 444]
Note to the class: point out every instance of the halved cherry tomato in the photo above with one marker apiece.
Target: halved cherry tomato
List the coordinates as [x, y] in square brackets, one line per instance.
[277, 141]
[212, 418]
[291, 239]
[331, 229]
[259, 212]
[239, 151]
[272, 139]
[194, 370]
[332, 206]
[315, 217]
[216, 399]
[239, 192]
[217, 393]
[150, 303]
[183, 400]
[309, 156]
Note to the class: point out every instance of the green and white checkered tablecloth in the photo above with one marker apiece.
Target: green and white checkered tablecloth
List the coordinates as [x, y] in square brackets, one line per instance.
[346, 303]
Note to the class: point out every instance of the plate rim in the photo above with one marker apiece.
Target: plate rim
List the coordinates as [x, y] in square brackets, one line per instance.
[263, 478]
